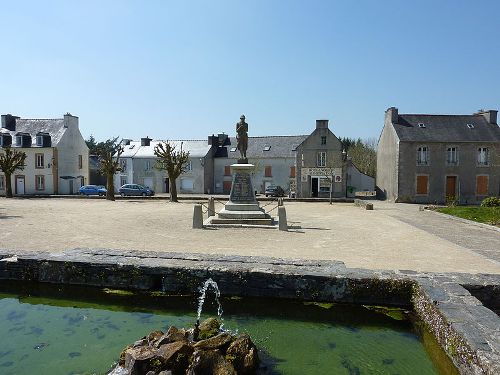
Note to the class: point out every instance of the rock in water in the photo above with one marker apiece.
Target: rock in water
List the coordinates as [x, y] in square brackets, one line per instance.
[209, 328]
[210, 362]
[243, 355]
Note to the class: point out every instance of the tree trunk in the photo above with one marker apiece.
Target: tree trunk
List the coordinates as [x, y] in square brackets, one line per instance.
[8, 185]
[173, 190]
[110, 194]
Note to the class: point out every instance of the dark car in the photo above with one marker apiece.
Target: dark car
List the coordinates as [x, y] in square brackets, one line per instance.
[92, 190]
[135, 189]
[274, 191]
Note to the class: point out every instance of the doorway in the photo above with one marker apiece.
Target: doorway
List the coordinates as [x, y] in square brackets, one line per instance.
[70, 186]
[451, 186]
[20, 185]
[314, 187]
[167, 185]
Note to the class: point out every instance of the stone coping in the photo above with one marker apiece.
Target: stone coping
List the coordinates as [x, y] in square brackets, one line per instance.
[447, 303]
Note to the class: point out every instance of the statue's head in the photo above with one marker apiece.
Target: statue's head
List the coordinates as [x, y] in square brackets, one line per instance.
[242, 117]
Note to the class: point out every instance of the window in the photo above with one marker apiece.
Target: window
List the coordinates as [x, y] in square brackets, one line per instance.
[452, 156]
[323, 139]
[82, 181]
[38, 160]
[321, 162]
[481, 185]
[470, 126]
[422, 185]
[227, 170]
[147, 167]
[19, 140]
[268, 172]
[39, 182]
[39, 140]
[267, 148]
[482, 156]
[80, 162]
[189, 166]
[292, 172]
[423, 155]
[421, 125]
[123, 181]
[2, 182]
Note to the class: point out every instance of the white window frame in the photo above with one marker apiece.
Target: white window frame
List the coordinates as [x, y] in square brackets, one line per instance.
[189, 166]
[39, 161]
[423, 155]
[39, 140]
[123, 165]
[321, 159]
[451, 155]
[19, 140]
[123, 181]
[483, 156]
[148, 165]
[39, 182]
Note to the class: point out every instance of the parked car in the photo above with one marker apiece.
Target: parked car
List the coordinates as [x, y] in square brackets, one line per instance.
[135, 189]
[92, 190]
[274, 191]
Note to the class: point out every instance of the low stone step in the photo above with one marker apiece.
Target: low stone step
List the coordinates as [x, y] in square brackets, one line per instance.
[225, 214]
[266, 221]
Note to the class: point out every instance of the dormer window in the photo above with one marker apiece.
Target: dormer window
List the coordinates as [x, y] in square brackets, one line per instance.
[470, 126]
[39, 140]
[421, 125]
[19, 140]
[267, 148]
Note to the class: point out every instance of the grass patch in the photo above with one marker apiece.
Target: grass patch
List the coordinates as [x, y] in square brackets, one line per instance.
[487, 215]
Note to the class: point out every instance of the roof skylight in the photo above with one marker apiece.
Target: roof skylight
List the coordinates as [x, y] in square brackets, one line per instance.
[267, 148]
[470, 126]
[421, 125]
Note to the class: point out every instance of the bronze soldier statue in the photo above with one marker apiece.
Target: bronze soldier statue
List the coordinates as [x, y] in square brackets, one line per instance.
[242, 138]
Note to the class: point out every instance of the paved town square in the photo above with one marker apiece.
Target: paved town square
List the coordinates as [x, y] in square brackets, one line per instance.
[391, 237]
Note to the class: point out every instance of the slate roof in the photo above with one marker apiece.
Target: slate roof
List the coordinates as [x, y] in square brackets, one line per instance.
[279, 146]
[55, 127]
[196, 148]
[445, 128]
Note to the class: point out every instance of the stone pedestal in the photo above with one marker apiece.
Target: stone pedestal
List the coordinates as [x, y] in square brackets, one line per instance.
[242, 207]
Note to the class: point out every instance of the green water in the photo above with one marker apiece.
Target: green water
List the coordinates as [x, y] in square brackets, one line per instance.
[42, 332]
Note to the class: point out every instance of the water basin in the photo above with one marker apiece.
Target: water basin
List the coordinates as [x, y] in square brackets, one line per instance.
[81, 330]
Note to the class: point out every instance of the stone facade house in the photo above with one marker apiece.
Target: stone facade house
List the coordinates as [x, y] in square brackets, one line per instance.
[436, 158]
[138, 166]
[321, 164]
[57, 155]
[274, 158]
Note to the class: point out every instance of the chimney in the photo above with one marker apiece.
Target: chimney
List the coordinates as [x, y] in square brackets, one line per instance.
[9, 122]
[70, 121]
[146, 141]
[489, 115]
[321, 124]
[391, 114]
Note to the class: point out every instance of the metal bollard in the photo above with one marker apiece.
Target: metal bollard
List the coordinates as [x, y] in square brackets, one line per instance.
[211, 207]
[197, 217]
[283, 225]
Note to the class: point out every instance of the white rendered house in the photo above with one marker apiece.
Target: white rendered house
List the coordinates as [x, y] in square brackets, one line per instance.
[56, 155]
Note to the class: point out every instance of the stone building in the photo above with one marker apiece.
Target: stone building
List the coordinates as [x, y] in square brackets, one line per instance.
[434, 158]
[57, 155]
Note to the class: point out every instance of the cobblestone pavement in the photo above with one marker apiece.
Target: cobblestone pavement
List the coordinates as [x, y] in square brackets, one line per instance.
[391, 237]
[480, 239]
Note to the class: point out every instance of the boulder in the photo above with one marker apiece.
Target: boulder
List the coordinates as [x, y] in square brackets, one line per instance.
[243, 355]
[208, 328]
[175, 356]
[173, 334]
[217, 342]
[142, 359]
[210, 362]
[153, 336]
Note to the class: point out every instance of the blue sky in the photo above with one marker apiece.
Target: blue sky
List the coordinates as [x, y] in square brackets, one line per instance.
[187, 69]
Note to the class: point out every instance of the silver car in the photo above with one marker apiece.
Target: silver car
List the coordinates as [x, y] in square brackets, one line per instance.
[135, 189]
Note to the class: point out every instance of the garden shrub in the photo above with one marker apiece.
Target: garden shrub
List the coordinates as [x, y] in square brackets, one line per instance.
[491, 202]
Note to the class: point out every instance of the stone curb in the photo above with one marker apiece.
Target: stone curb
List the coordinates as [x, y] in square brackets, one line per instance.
[468, 331]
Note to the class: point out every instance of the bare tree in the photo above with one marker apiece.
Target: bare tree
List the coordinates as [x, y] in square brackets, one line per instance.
[173, 161]
[364, 155]
[10, 161]
[109, 153]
